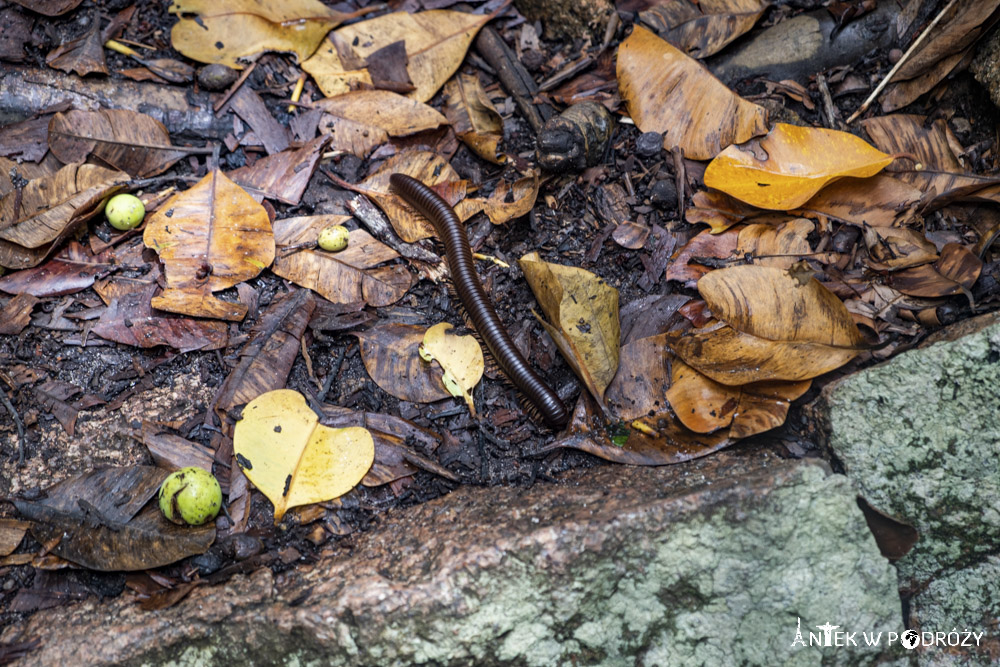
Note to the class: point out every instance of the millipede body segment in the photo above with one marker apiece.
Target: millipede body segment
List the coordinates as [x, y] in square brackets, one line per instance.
[477, 305]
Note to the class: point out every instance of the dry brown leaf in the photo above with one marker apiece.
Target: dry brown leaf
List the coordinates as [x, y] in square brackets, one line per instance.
[955, 272]
[209, 237]
[390, 352]
[430, 169]
[775, 245]
[791, 164]
[895, 248]
[631, 235]
[473, 116]
[705, 245]
[718, 210]
[11, 533]
[436, 42]
[49, 7]
[701, 28]
[359, 121]
[348, 276]
[666, 91]
[15, 315]
[583, 310]
[642, 380]
[49, 209]
[234, 31]
[521, 195]
[127, 140]
[83, 55]
[282, 176]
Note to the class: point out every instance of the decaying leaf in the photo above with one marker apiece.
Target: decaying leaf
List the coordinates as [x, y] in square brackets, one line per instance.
[233, 31]
[172, 452]
[460, 358]
[775, 245]
[361, 120]
[97, 520]
[391, 356]
[266, 360]
[15, 315]
[73, 269]
[583, 311]
[49, 7]
[209, 237]
[791, 164]
[685, 265]
[292, 458]
[357, 273]
[879, 201]
[49, 209]
[667, 91]
[955, 272]
[11, 533]
[473, 116]
[642, 380]
[436, 42]
[282, 176]
[897, 247]
[701, 28]
[83, 55]
[127, 140]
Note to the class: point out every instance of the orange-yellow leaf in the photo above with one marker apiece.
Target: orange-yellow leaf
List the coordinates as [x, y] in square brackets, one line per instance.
[786, 168]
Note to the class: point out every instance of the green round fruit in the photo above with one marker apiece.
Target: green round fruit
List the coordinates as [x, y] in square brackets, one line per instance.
[125, 211]
[190, 496]
[334, 238]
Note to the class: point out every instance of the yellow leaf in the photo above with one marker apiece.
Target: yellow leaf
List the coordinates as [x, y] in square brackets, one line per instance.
[293, 459]
[786, 168]
[436, 42]
[666, 91]
[225, 31]
[583, 310]
[459, 356]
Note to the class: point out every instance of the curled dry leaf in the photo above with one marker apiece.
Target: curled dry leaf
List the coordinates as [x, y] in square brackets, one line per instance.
[955, 272]
[583, 311]
[97, 520]
[791, 164]
[775, 328]
[390, 352]
[293, 459]
[704, 246]
[209, 237]
[460, 357]
[666, 91]
[706, 406]
[231, 31]
[436, 42]
[701, 28]
[48, 209]
[353, 274]
[127, 140]
[508, 202]
[359, 121]
[428, 168]
[896, 248]
[472, 115]
[718, 210]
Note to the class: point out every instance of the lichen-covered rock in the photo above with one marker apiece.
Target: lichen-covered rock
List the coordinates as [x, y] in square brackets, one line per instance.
[710, 562]
[920, 439]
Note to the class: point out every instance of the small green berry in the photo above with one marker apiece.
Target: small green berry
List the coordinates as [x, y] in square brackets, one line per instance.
[190, 496]
[125, 211]
[334, 238]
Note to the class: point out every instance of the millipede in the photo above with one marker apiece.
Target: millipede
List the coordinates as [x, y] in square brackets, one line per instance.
[477, 305]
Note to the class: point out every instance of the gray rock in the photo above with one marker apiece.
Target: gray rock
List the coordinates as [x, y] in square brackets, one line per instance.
[986, 65]
[710, 562]
[920, 439]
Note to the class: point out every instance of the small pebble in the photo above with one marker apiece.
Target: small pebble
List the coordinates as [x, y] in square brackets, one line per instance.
[207, 563]
[216, 77]
[664, 194]
[649, 144]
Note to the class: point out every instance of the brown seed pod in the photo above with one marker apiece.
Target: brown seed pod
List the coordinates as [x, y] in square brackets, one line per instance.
[576, 138]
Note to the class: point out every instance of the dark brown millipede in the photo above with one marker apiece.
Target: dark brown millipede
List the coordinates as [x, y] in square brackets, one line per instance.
[470, 291]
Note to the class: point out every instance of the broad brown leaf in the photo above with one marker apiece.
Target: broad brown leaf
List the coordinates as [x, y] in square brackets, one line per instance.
[790, 165]
[666, 91]
[391, 357]
[778, 245]
[50, 7]
[701, 28]
[282, 176]
[879, 201]
[127, 140]
[209, 237]
[436, 42]
[15, 315]
[83, 55]
[357, 273]
[361, 120]
[955, 272]
[49, 209]
[684, 265]
[642, 380]
[73, 269]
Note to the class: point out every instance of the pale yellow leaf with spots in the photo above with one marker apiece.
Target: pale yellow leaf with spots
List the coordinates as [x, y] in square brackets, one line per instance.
[786, 168]
[460, 357]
